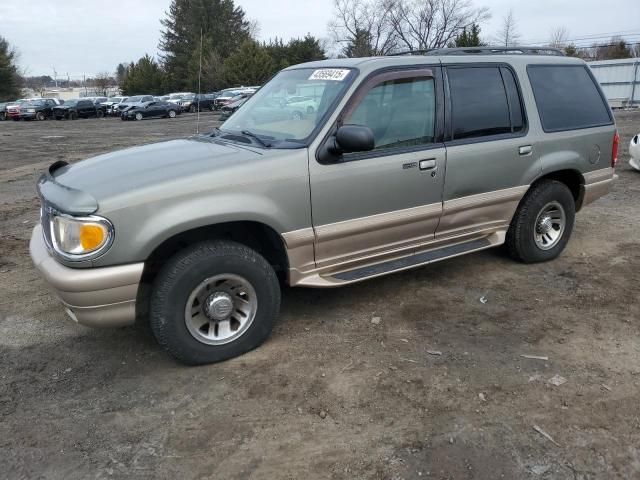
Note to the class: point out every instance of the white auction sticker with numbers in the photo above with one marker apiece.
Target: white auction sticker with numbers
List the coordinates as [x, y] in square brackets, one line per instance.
[335, 74]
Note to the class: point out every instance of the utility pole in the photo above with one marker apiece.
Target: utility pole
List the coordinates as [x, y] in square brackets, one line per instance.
[55, 76]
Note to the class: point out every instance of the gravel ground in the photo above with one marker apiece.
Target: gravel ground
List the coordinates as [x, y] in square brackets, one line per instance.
[435, 387]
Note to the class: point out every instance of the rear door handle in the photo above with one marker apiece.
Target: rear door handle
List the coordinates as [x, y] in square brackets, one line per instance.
[428, 164]
[525, 150]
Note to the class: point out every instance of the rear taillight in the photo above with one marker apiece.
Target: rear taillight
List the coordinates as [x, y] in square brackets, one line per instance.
[614, 150]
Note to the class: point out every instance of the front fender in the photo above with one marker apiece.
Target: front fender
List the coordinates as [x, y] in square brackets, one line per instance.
[283, 206]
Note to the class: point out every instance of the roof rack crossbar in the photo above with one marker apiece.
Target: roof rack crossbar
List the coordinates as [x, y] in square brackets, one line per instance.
[485, 51]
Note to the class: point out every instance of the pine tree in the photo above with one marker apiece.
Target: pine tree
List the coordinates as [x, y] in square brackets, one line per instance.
[223, 27]
[468, 38]
[250, 65]
[360, 46]
[143, 77]
[9, 78]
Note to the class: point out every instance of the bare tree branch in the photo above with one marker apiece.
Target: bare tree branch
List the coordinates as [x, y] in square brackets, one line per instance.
[508, 35]
[388, 25]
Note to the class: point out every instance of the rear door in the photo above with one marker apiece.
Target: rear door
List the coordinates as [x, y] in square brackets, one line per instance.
[388, 199]
[491, 155]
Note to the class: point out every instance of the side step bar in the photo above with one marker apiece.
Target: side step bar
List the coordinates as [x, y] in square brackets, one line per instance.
[412, 260]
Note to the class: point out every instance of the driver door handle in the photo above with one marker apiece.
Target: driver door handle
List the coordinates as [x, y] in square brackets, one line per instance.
[428, 164]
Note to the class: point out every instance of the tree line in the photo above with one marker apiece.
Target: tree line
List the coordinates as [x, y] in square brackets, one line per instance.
[217, 37]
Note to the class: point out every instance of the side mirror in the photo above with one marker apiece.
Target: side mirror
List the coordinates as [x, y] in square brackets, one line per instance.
[353, 138]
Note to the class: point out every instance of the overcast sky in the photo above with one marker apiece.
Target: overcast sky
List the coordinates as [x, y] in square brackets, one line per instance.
[90, 36]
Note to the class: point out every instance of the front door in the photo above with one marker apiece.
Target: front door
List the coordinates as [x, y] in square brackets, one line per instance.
[388, 199]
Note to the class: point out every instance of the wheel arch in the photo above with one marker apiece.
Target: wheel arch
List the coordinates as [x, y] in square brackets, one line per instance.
[253, 234]
[572, 178]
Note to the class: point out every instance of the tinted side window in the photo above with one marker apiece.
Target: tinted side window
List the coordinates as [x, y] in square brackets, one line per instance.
[478, 102]
[567, 97]
[401, 113]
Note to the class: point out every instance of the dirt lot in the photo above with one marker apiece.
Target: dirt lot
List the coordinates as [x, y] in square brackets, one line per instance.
[332, 395]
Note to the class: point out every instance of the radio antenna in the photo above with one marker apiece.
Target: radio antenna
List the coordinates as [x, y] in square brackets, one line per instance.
[199, 80]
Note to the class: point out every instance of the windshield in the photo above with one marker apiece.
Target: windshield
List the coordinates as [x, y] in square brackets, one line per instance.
[269, 114]
[35, 103]
[135, 99]
[71, 103]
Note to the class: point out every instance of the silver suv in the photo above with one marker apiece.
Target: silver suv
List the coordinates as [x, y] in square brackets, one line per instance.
[403, 161]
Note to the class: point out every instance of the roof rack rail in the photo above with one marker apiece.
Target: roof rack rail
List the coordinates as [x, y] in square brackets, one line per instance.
[485, 51]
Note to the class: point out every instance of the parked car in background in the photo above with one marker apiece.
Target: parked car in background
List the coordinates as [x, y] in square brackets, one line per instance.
[305, 104]
[151, 110]
[40, 109]
[134, 100]
[12, 110]
[229, 109]
[111, 105]
[3, 110]
[191, 102]
[178, 96]
[77, 108]
[230, 98]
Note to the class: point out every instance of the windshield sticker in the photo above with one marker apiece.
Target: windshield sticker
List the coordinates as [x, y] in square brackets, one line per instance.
[335, 74]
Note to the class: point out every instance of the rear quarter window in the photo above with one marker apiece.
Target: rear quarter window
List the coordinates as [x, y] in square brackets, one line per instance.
[567, 97]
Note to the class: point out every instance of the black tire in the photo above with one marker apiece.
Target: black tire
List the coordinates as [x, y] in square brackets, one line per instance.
[192, 109]
[73, 116]
[520, 240]
[40, 116]
[99, 114]
[184, 272]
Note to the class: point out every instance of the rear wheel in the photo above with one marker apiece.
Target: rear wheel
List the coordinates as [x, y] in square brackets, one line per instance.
[543, 223]
[214, 301]
[172, 114]
[192, 109]
[138, 116]
[296, 115]
[40, 116]
[100, 114]
[73, 116]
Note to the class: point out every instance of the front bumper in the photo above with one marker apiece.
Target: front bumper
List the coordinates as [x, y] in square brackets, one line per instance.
[96, 297]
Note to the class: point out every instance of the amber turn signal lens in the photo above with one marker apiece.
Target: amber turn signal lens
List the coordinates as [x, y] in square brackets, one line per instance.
[91, 236]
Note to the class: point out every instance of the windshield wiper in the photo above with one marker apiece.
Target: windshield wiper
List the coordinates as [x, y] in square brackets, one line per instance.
[253, 135]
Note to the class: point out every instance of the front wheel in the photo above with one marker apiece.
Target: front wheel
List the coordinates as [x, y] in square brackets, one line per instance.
[172, 114]
[543, 223]
[138, 116]
[73, 116]
[192, 109]
[99, 114]
[214, 301]
[40, 116]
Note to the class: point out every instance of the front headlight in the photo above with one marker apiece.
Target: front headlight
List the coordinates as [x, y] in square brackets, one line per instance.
[79, 238]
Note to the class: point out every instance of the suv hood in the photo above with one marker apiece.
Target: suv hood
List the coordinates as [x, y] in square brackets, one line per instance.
[151, 169]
